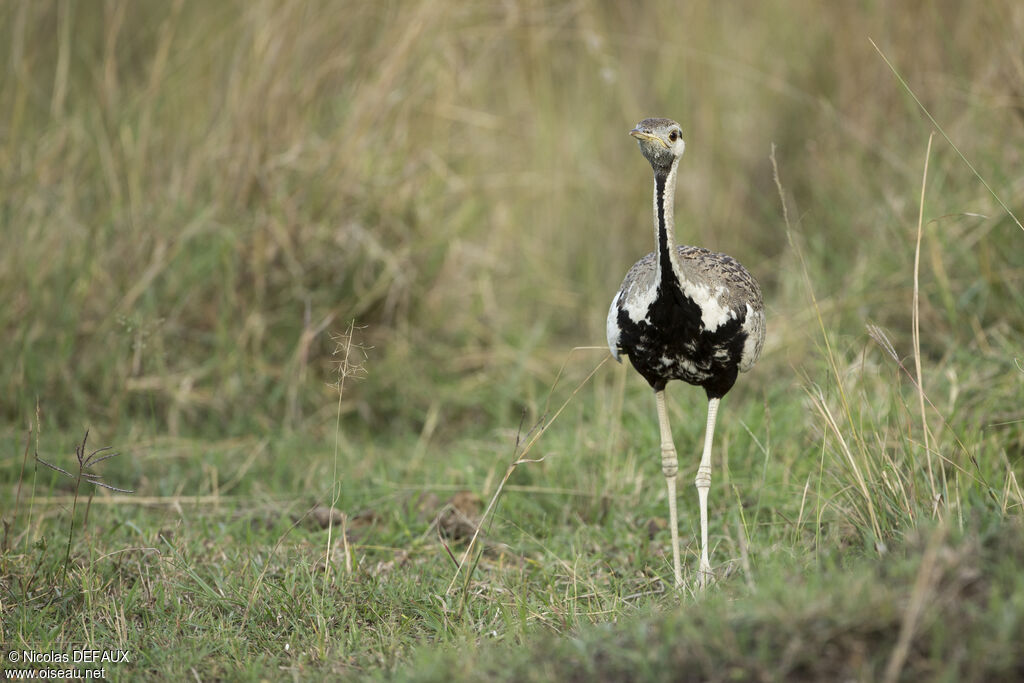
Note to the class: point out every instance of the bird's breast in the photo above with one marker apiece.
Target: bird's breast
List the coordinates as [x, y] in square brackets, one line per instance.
[670, 335]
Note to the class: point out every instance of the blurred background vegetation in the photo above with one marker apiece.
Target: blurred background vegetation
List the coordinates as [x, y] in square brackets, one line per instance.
[197, 195]
[198, 199]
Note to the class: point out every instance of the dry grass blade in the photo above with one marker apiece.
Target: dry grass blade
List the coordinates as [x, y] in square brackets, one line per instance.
[942, 132]
[927, 576]
[916, 315]
[520, 458]
[829, 352]
[882, 339]
[818, 398]
[861, 478]
[17, 495]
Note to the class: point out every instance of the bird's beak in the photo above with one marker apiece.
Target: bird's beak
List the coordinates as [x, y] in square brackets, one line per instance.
[643, 135]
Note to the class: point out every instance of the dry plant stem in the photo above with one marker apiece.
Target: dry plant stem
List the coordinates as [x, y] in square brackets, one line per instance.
[520, 459]
[21, 478]
[743, 540]
[819, 403]
[346, 367]
[916, 333]
[880, 338]
[344, 543]
[88, 507]
[943, 133]
[833, 364]
[74, 506]
[1011, 483]
[927, 576]
[32, 498]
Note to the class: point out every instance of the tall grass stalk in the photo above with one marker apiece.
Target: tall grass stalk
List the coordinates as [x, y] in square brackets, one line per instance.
[916, 335]
[857, 463]
[351, 365]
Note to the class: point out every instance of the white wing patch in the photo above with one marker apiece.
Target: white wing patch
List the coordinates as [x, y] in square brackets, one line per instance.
[712, 313]
[612, 327]
[754, 327]
[637, 305]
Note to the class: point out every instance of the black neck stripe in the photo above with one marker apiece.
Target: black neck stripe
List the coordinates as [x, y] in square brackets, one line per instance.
[664, 248]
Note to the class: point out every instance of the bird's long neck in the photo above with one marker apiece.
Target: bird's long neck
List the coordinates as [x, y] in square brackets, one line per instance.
[664, 222]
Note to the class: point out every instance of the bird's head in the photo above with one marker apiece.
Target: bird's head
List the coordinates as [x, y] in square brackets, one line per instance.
[661, 142]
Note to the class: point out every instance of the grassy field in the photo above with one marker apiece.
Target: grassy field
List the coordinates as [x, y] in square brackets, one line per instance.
[331, 278]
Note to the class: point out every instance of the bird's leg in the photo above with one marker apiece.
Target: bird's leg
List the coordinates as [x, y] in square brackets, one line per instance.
[703, 483]
[669, 467]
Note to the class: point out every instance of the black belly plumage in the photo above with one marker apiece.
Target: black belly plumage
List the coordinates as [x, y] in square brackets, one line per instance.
[671, 342]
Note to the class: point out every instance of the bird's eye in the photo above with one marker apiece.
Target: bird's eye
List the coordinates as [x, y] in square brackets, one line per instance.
[673, 136]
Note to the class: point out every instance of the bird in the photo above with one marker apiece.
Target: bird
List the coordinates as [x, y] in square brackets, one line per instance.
[684, 313]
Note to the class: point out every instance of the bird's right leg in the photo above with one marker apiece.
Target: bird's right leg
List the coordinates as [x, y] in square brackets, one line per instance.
[703, 483]
[669, 467]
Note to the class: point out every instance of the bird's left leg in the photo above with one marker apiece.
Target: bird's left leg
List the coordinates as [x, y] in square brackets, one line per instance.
[703, 483]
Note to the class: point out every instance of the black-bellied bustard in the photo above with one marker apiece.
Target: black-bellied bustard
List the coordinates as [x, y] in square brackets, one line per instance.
[684, 313]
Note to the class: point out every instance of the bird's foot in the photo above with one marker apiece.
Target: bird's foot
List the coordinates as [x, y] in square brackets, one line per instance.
[705, 576]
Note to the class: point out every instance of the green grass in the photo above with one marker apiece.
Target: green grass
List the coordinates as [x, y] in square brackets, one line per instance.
[200, 199]
[957, 604]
